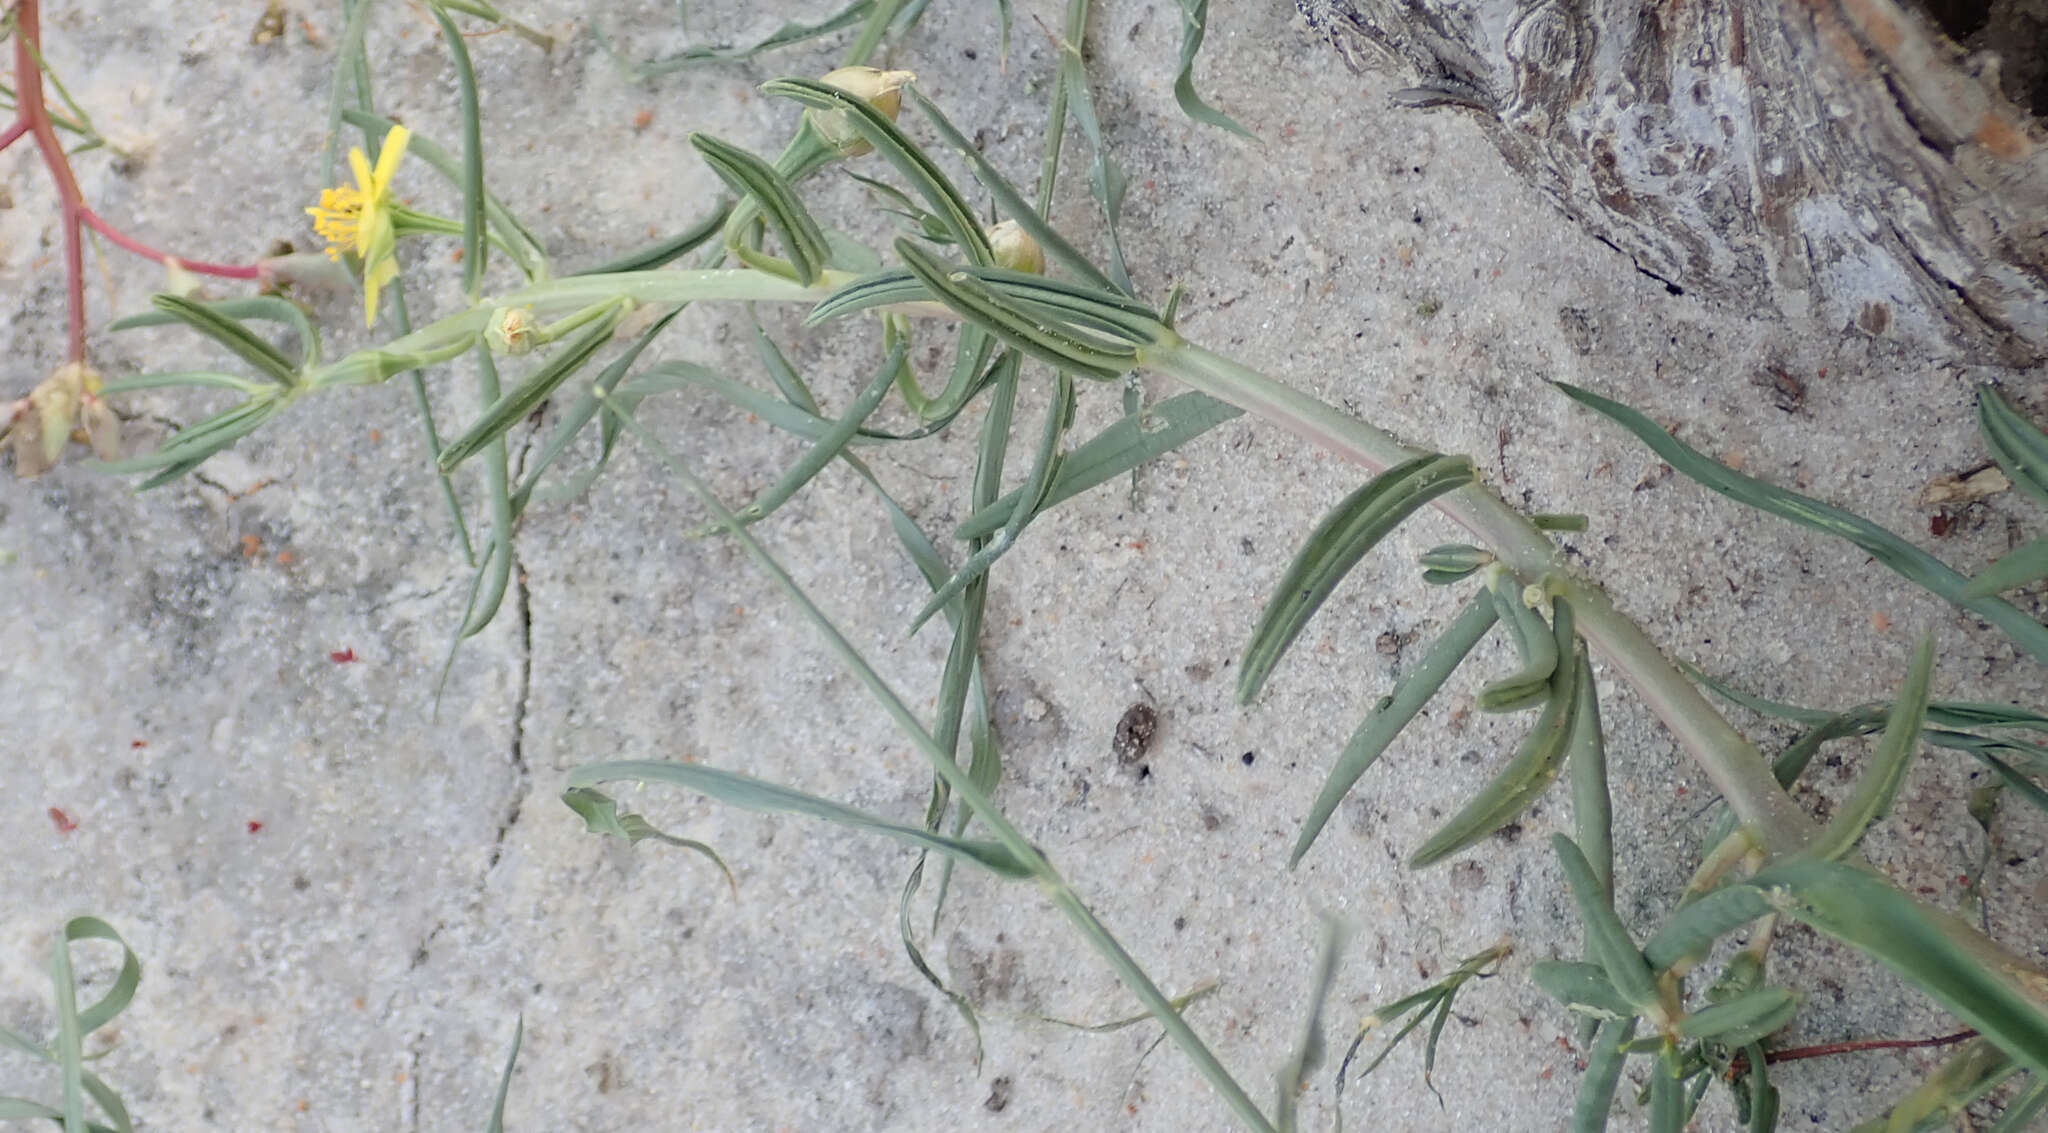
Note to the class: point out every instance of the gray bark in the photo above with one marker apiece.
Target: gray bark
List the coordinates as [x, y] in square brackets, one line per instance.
[1842, 160]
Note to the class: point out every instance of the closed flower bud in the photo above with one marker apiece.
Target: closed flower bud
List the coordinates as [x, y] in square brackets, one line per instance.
[878, 88]
[1015, 249]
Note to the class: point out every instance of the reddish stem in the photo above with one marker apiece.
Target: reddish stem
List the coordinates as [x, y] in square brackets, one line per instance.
[229, 271]
[32, 116]
[1823, 1050]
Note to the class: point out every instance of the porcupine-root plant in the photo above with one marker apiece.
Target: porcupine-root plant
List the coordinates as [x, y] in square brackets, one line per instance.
[1074, 325]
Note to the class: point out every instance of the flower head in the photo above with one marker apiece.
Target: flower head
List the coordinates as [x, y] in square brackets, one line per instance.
[358, 218]
[512, 330]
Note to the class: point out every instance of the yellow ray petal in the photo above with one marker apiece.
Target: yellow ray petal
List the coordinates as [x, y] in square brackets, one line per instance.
[388, 159]
[359, 164]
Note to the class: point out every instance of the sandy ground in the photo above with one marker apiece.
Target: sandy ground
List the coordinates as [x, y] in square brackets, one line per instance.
[343, 900]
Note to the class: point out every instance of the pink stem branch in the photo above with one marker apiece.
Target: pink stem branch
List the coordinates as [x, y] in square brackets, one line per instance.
[32, 116]
[229, 271]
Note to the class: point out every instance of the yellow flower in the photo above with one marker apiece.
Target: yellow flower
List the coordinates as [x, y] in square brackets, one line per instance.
[358, 218]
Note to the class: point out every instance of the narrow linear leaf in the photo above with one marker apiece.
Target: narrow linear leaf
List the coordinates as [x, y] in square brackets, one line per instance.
[601, 815]
[1606, 936]
[2022, 566]
[2017, 444]
[475, 251]
[1667, 1098]
[1701, 1079]
[1990, 990]
[751, 177]
[793, 32]
[1117, 449]
[22, 1109]
[1971, 714]
[1603, 1075]
[2023, 1110]
[667, 251]
[829, 444]
[1909, 561]
[1742, 1020]
[1757, 704]
[192, 446]
[497, 1122]
[1180, 1003]
[2020, 785]
[923, 174]
[908, 936]
[202, 379]
[1455, 560]
[508, 410]
[1309, 1049]
[1581, 987]
[750, 793]
[1054, 344]
[1106, 181]
[1344, 536]
[494, 573]
[1534, 642]
[73, 1024]
[351, 68]
[1194, 21]
[270, 308]
[244, 343]
[1694, 928]
[1526, 777]
[1763, 1097]
[1973, 1071]
[1429, 1043]
[1586, 762]
[1051, 299]
[1393, 713]
[1059, 417]
[1872, 798]
[1012, 202]
[583, 409]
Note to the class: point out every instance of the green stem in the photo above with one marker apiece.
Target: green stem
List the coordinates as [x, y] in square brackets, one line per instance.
[871, 33]
[1072, 32]
[453, 336]
[1737, 769]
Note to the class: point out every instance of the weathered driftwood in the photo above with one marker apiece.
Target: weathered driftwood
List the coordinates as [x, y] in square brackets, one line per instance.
[1842, 160]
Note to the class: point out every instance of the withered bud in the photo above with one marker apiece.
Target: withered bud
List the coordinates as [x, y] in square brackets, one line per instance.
[880, 89]
[102, 428]
[25, 438]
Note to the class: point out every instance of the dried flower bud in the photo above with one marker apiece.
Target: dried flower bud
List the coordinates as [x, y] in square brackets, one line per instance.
[43, 420]
[102, 428]
[512, 330]
[26, 439]
[1015, 249]
[879, 89]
